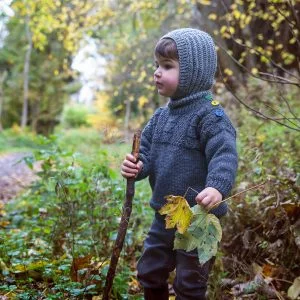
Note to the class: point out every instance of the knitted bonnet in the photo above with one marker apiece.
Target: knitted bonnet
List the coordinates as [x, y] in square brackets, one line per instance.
[197, 61]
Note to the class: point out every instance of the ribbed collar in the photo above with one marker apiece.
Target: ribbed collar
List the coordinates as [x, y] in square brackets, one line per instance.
[189, 102]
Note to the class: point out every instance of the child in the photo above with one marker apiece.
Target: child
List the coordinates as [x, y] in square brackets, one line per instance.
[188, 143]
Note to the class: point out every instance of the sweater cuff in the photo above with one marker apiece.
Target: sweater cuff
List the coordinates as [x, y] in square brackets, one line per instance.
[222, 185]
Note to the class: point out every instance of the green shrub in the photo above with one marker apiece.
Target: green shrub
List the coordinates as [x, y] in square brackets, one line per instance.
[75, 116]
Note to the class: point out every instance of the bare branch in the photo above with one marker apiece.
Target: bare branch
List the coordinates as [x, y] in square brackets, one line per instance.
[287, 103]
[283, 116]
[280, 78]
[258, 113]
[294, 13]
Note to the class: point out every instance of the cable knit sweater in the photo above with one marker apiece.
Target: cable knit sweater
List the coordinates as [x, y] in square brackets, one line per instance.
[191, 141]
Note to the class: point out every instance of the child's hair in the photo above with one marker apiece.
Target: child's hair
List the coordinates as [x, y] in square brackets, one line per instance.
[166, 48]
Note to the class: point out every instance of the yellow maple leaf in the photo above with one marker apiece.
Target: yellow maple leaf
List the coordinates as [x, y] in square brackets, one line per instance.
[178, 213]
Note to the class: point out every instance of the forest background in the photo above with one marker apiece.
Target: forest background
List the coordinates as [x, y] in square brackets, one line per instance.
[58, 222]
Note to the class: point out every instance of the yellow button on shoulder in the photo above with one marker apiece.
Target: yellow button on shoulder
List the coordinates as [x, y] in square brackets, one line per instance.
[215, 102]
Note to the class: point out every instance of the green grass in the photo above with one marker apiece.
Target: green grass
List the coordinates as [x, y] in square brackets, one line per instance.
[13, 140]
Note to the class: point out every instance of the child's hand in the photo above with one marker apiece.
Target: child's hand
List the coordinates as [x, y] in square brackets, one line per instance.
[130, 168]
[209, 197]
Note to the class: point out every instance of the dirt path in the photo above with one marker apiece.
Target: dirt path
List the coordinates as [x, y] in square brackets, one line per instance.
[14, 175]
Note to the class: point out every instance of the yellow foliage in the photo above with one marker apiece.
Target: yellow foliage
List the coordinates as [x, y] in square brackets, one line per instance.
[205, 2]
[142, 76]
[16, 128]
[248, 20]
[261, 138]
[103, 117]
[236, 14]
[142, 101]
[180, 10]
[223, 29]
[178, 213]
[228, 72]
[264, 59]
[212, 17]
[254, 71]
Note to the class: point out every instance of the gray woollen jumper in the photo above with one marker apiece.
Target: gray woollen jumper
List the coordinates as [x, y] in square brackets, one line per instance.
[191, 141]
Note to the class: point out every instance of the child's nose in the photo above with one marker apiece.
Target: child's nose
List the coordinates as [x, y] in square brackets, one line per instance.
[157, 73]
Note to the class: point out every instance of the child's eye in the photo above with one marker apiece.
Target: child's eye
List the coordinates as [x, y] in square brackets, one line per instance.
[167, 66]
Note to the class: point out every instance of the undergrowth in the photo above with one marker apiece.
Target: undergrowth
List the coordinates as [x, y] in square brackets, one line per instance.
[56, 239]
[261, 233]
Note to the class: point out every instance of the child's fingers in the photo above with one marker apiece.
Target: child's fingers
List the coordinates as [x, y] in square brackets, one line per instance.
[201, 196]
[128, 172]
[127, 175]
[129, 164]
[130, 157]
[205, 202]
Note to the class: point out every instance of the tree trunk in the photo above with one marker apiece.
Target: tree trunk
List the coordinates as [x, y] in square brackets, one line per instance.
[26, 74]
[127, 118]
[35, 114]
[2, 79]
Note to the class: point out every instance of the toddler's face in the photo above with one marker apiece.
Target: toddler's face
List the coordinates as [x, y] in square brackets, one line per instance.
[166, 76]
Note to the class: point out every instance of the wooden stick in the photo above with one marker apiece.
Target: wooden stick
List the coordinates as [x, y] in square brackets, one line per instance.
[126, 212]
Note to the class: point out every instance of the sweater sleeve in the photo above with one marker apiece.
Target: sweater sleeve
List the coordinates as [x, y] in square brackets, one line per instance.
[218, 140]
[145, 147]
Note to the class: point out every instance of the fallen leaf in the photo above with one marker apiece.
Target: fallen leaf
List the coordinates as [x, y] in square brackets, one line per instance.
[79, 263]
[294, 289]
[269, 270]
[292, 210]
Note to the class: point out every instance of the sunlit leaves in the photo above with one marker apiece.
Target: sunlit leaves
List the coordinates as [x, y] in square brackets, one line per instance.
[228, 72]
[67, 20]
[254, 71]
[205, 2]
[212, 17]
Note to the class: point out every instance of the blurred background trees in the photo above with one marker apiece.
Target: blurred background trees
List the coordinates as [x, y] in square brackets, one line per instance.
[255, 39]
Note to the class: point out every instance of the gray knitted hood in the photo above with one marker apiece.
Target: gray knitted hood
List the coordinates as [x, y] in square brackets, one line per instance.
[197, 61]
